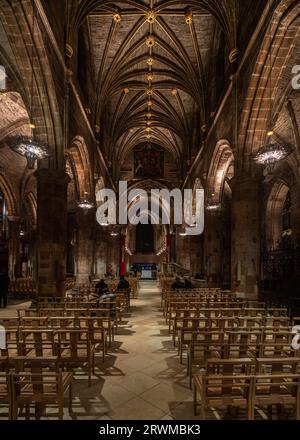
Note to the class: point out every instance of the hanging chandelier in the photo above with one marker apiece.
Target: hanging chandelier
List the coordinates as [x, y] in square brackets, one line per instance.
[271, 153]
[28, 148]
[85, 203]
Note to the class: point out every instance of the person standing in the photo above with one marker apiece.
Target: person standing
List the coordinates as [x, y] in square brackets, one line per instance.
[4, 286]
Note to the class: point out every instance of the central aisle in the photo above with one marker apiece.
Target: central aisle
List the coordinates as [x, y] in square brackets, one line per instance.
[143, 378]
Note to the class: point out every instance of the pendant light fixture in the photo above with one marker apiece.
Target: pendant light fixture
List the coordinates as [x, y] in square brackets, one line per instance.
[27, 146]
[273, 151]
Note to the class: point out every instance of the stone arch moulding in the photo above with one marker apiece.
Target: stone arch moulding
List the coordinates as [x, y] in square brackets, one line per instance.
[220, 163]
[256, 120]
[274, 208]
[9, 196]
[81, 165]
[45, 113]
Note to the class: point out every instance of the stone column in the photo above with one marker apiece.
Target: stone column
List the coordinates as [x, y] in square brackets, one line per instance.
[51, 231]
[14, 247]
[213, 247]
[183, 257]
[113, 254]
[196, 251]
[100, 253]
[86, 223]
[246, 236]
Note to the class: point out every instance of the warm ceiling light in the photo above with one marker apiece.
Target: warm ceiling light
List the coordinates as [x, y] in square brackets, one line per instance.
[31, 126]
[270, 133]
[150, 41]
[151, 16]
[149, 122]
[126, 91]
[29, 148]
[149, 115]
[174, 92]
[85, 203]
[148, 129]
[189, 17]
[150, 61]
[150, 76]
[150, 103]
[272, 153]
[117, 18]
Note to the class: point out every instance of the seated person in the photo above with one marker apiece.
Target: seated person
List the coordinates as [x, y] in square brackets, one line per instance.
[178, 284]
[101, 287]
[188, 283]
[123, 283]
[107, 299]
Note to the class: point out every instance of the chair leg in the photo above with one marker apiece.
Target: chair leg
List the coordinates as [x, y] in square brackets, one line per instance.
[70, 399]
[195, 399]
[27, 412]
[14, 411]
[61, 410]
[89, 374]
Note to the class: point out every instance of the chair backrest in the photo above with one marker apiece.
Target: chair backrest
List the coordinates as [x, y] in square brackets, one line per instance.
[229, 366]
[76, 341]
[278, 365]
[37, 341]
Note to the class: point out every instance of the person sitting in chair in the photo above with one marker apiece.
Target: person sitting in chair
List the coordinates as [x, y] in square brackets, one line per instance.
[123, 283]
[178, 284]
[101, 287]
[188, 283]
[107, 301]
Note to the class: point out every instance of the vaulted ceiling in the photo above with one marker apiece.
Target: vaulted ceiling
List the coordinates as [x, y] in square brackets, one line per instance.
[154, 63]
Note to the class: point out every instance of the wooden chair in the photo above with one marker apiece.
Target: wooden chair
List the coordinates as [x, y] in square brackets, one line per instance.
[36, 342]
[5, 392]
[40, 389]
[74, 346]
[219, 390]
[97, 328]
[200, 352]
[276, 389]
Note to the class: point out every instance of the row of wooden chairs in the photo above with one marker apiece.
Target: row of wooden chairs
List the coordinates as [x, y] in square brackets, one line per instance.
[244, 383]
[72, 346]
[26, 381]
[23, 287]
[199, 353]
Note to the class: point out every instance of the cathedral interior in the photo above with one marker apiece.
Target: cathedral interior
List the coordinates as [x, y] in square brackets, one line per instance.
[199, 95]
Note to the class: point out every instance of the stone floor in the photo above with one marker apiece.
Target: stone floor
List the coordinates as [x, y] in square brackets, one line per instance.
[142, 378]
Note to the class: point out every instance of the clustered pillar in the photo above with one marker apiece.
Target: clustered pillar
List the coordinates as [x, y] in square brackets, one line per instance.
[246, 239]
[86, 220]
[52, 231]
[14, 247]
